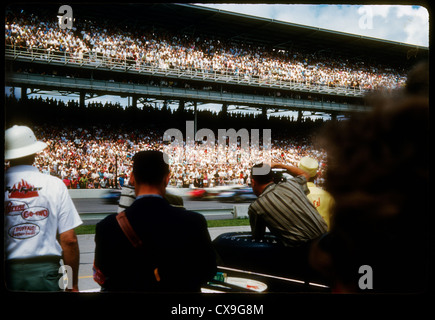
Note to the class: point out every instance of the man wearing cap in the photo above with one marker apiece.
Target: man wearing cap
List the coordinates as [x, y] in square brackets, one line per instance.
[320, 198]
[40, 218]
[284, 208]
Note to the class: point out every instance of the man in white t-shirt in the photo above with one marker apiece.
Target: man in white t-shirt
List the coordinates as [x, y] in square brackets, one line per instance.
[40, 218]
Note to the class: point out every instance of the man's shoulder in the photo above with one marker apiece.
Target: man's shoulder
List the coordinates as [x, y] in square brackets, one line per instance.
[53, 183]
[107, 222]
[164, 206]
[174, 200]
[188, 213]
[188, 218]
[297, 183]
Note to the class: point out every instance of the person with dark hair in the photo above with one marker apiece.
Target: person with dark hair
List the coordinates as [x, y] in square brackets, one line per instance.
[284, 208]
[153, 246]
[378, 170]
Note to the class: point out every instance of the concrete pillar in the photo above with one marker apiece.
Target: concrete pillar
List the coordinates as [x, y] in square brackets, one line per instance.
[264, 113]
[299, 116]
[82, 99]
[24, 93]
[224, 112]
[180, 107]
[134, 101]
[224, 109]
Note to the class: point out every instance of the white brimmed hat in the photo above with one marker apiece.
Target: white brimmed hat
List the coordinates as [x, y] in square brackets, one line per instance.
[20, 141]
[309, 165]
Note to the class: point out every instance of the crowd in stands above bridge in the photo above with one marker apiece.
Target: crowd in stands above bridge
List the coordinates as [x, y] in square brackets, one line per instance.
[97, 40]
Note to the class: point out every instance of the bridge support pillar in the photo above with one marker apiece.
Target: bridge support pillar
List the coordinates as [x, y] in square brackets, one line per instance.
[264, 113]
[180, 107]
[300, 114]
[82, 99]
[23, 93]
[224, 112]
[134, 101]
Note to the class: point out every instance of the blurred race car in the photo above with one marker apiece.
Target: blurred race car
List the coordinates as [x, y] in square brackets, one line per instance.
[237, 194]
[202, 194]
[112, 196]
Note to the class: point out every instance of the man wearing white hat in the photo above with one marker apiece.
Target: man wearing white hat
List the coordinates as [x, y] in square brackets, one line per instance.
[320, 198]
[38, 212]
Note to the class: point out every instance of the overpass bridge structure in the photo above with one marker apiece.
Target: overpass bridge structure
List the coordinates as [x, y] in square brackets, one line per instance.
[88, 87]
[136, 91]
[267, 93]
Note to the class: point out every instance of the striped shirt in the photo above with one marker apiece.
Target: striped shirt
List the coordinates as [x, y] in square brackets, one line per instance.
[285, 209]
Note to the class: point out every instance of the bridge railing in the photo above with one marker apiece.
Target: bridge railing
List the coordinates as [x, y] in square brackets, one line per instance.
[104, 62]
[109, 87]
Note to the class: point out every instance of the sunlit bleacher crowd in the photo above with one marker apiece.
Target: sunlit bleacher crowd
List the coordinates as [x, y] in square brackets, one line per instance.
[100, 158]
[96, 40]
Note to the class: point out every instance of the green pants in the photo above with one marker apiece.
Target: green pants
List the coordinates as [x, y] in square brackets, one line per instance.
[32, 276]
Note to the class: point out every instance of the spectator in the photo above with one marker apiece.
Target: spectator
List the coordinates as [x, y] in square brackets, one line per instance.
[67, 182]
[83, 181]
[74, 183]
[379, 218]
[284, 209]
[33, 250]
[176, 241]
[320, 198]
[121, 180]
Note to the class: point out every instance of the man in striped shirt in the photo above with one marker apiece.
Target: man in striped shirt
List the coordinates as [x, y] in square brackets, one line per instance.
[284, 208]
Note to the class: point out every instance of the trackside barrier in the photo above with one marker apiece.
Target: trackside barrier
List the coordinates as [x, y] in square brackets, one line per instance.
[87, 193]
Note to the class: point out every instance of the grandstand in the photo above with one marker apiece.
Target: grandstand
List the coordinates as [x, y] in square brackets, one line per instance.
[252, 62]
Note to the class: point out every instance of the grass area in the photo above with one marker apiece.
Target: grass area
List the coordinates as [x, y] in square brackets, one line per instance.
[90, 229]
[227, 223]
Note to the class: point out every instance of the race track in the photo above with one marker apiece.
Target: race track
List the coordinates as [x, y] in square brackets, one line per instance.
[93, 210]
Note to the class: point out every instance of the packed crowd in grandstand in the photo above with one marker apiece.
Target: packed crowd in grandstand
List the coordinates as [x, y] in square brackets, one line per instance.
[93, 155]
[96, 40]
[94, 158]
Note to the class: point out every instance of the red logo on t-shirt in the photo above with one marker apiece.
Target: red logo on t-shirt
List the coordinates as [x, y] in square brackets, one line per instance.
[23, 190]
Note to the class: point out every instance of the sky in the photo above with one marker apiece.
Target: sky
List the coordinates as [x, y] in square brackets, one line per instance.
[407, 24]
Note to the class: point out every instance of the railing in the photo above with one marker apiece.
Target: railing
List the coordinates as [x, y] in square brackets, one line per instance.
[104, 62]
[77, 84]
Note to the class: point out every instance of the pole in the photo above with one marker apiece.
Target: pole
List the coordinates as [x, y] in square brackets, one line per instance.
[196, 117]
[116, 170]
